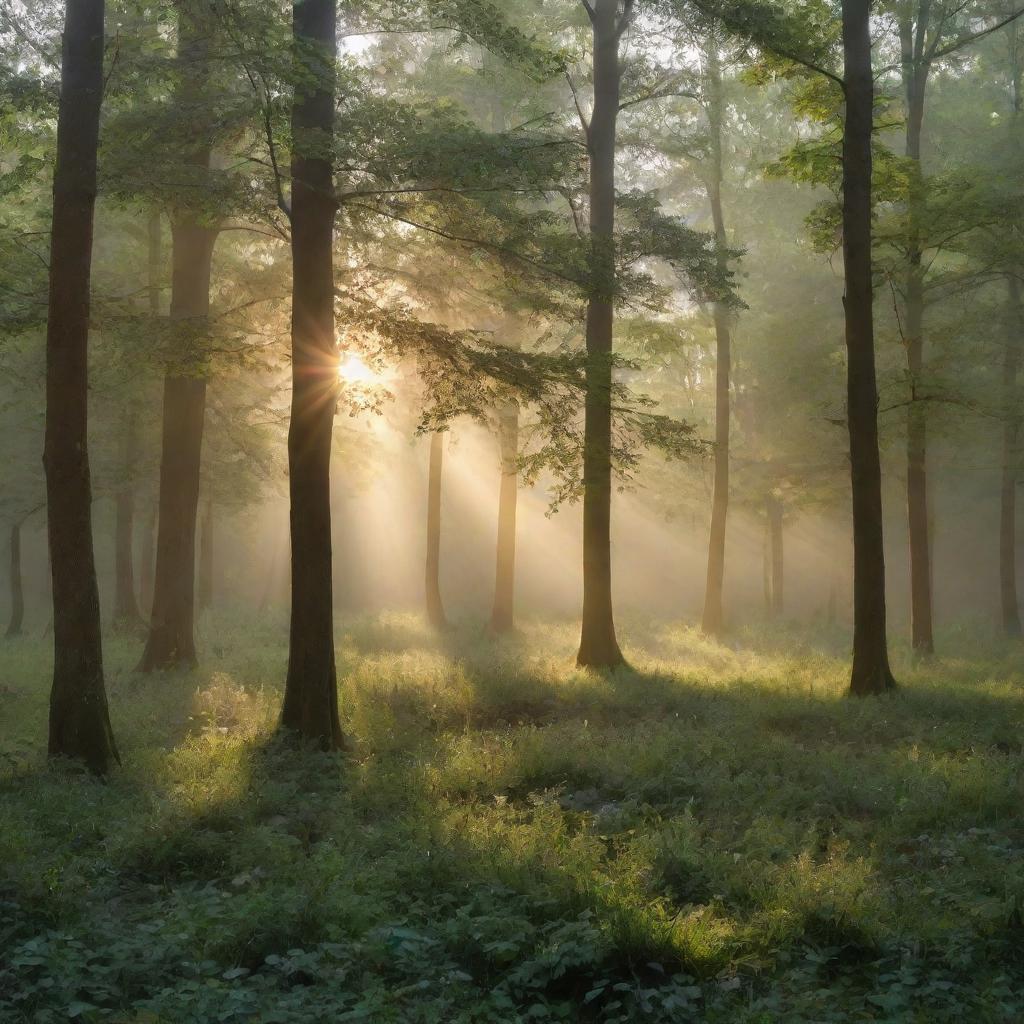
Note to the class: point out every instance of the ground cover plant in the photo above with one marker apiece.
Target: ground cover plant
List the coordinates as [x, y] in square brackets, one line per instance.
[715, 833]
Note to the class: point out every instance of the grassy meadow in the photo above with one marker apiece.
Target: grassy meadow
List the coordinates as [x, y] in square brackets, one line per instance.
[714, 834]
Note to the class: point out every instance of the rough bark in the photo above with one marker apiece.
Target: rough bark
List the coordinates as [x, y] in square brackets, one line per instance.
[79, 723]
[599, 647]
[432, 575]
[311, 688]
[205, 588]
[503, 610]
[126, 608]
[148, 556]
[870, 672]
[712, 620]
[777, 563]
[17, 618]
[171, 639]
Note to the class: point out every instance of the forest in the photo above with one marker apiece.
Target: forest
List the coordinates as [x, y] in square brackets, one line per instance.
[510, 511]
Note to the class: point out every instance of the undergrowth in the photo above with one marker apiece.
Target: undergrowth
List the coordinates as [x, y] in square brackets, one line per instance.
[713, 834]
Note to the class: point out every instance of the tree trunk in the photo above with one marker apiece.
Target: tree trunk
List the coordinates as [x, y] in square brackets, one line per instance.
[17, 590]
[311, 688]
[766, 567]
[598, 645]
[206, 558]
[126, 609]
[503, 611]
[915, 76]
[870, 673]
[712, 620]
[435, 607]
[775, 531]
[1008, 477]
[171, 641]
[79, 725]
[148, 556]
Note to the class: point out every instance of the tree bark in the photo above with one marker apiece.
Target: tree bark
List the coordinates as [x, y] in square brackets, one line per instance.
[206, 558]
[79, 722]
[599, 647]
[311, 688]
[171, 640]
[775, 532]
[712, 621]
[432, 577]
[503, 611]
[17, 618]
[1008, 477]
[126, 608]
[148, 555]
[870, 673]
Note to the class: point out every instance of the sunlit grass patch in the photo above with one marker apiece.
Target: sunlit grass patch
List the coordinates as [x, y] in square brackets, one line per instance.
[713, 833]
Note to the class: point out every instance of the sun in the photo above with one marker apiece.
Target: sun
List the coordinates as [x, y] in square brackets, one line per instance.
[353, 369]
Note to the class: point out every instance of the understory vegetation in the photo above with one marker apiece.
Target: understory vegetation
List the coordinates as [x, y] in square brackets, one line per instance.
[714, 833]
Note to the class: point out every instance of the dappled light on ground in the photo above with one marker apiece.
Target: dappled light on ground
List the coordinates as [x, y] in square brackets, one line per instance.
[714, 833]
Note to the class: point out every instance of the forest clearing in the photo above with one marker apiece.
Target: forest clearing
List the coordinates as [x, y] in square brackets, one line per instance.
[510, 511]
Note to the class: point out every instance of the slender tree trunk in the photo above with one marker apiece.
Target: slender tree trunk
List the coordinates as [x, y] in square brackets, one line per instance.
[79, 725]
[775, 530]
[915, 73]
[206, 558]
[148, 557]
[171, 640]
[599, 647]
[1009, 603]
[311, 688]
[1010, 456]
[17, 589]
[766, 566]
[126, 609]
[503, 611]
[435, 606]
[870, 673]
[712, 620]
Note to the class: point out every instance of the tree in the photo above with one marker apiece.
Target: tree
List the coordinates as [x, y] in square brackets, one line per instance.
[435, 606]
[171, 639]
[599, 647]
[79, 724]
[870, 673]
[712, 621]
[311, 688]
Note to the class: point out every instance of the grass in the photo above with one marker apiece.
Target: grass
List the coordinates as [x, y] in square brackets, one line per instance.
[715, 834]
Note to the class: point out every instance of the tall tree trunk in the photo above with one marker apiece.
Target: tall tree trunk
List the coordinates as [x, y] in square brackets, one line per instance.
[432, 579]
[171, 641]
[503, 611]
[775, 531]
[1010, 456]
[870, 673]
[311, 687]
[766, 565]
[17, 589]
[1009, 604]
[79, 725]
[206, 558]
[712, 620]
[915, 78]
[599, 647]
[126, 609]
